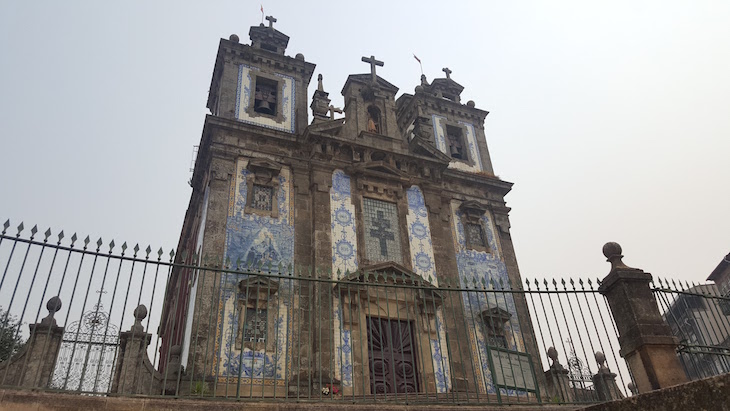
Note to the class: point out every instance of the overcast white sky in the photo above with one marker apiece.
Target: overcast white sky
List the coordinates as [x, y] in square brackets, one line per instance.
[612, 118]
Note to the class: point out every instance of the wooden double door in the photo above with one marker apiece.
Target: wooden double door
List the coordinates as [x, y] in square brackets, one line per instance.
[392, 354]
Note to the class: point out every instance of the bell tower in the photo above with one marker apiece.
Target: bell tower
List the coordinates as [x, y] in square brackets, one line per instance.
[370, 103]
[258, 84]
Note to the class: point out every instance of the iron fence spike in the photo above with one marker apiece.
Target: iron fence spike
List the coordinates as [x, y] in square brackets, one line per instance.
[99, 242]
[60, 237]
[160, 252]
[148, 250]
[33, 231]
[6, 224]
[111, 245]
[48, 234]
[20, 228]
[87, 240]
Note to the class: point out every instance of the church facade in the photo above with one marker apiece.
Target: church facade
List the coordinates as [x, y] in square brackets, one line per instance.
[335, 252]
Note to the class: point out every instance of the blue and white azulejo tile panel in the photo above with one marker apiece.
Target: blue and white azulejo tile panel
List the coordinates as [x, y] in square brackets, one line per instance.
[253, 239]
[246, 90]
[343, 225]
[344, 260]
[439, 129]
[419, 236]
[481, 268]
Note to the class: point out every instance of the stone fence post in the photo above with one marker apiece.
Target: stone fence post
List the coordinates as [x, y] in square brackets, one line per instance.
[32, 366]
[558, 386]
[604, 381]
[646, 340]
[134, 373]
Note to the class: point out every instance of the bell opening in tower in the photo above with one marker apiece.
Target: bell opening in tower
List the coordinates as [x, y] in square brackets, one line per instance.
[265, 98]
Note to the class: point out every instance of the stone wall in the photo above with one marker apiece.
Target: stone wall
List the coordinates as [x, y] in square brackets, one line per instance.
[15, 400]
[708, 394]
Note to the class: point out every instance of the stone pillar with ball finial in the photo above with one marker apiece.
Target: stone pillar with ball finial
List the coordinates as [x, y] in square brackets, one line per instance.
[134, 373]
[646, 340]
[33, 365]
[558, 387]
[604, 381]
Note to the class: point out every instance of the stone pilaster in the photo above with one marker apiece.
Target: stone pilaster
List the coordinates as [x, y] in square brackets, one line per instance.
[646, 339]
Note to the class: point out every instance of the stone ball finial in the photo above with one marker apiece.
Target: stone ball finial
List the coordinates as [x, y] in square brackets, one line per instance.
[470, 103]
[611, 249]
[552, 353]
[419, 88]
[600, 358]
[140, 312]
[175, 350]
[53, 305]
[299, 56]
[234, 38]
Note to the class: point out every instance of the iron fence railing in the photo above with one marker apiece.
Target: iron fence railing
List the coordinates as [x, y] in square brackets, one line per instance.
[699, 316]
[248, 330]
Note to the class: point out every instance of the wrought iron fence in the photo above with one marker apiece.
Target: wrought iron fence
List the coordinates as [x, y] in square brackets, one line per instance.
[157, 323]
[698, 316]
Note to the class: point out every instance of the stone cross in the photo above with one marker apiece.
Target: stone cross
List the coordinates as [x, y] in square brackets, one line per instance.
[373, 63]
[271, 20]
[447, 71]
[334, 110]
[381, 233]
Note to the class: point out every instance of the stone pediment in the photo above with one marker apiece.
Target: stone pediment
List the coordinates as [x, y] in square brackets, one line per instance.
[331, 127]
[473, 208]
[381, 169]
[495, 315]
[420, 145]
[367, 79]
[393, 274]
[258, 285]
[388, 272]
[263, 166]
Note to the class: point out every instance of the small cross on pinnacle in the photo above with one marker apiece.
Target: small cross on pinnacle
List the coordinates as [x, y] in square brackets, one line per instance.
[271, 20]
[447, 71]
[373, 63]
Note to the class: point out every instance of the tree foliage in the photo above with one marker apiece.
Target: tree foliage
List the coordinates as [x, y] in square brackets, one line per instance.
[10, 338]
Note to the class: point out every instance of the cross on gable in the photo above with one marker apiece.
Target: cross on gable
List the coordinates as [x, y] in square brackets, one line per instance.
[381, 233]
[373, 63]
[333, 110]
[447, 71]
[271, 20]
